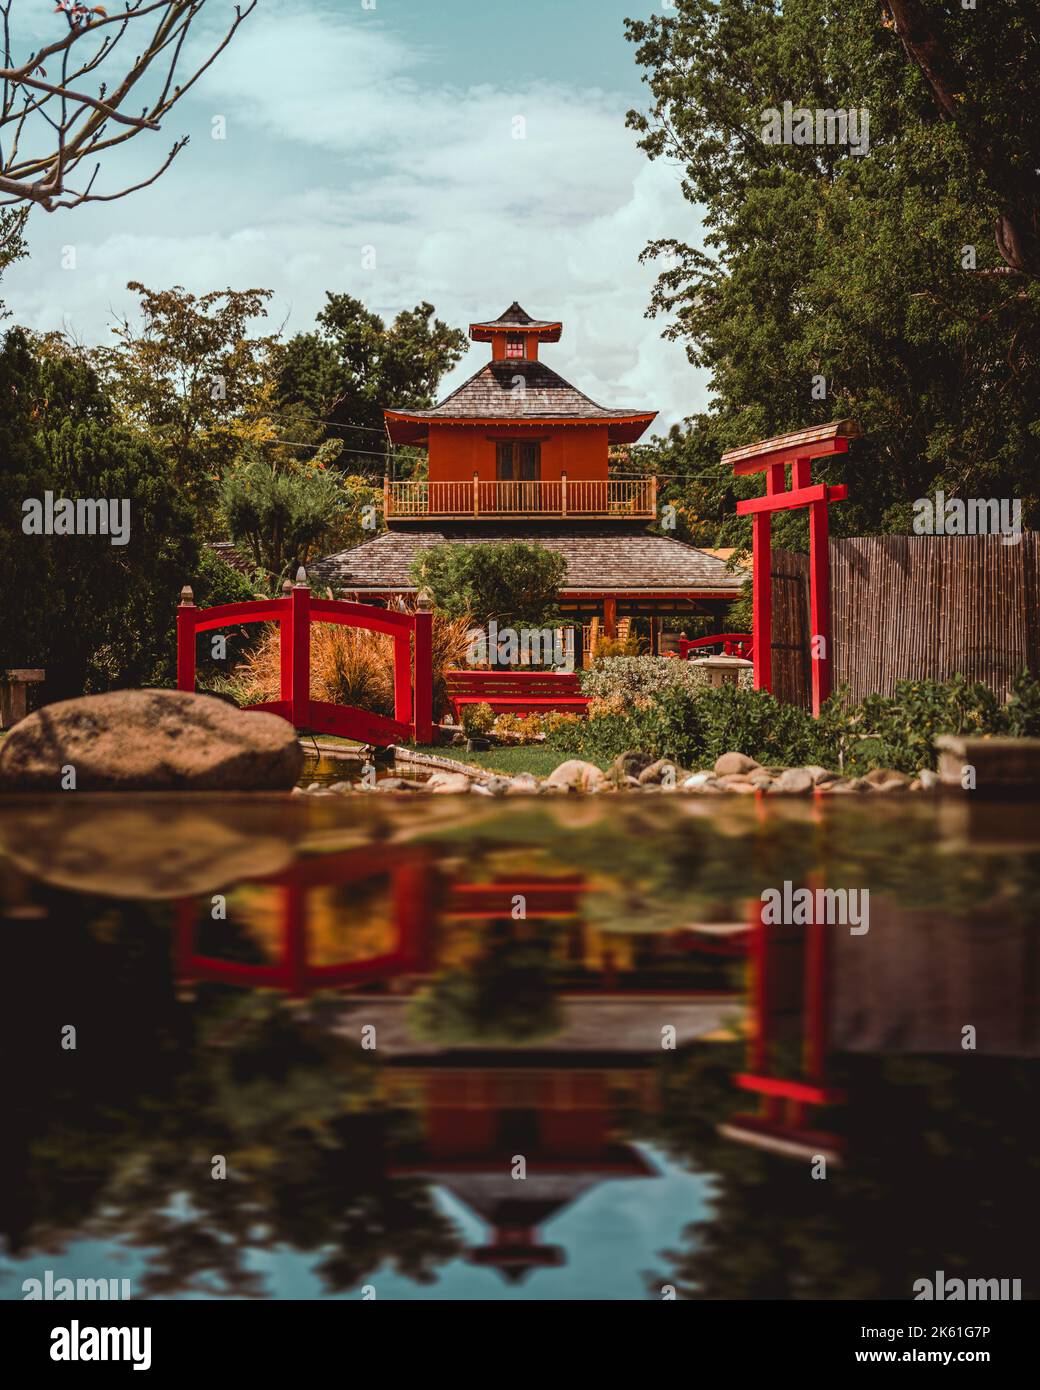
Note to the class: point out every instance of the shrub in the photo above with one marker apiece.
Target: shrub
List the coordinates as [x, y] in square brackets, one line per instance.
[610, 648]
[557, 720]
[478, 720]
[513, 581]
[644, 676]
[530, 728]
[695, 726]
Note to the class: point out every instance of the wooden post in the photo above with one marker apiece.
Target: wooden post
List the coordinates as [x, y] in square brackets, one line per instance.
[403, 677]
[653, 496]
[476, 493]
[423, 698]
[186, 640]
[285, 645]
[819, 604]
[300, 685]
[563, 494]
[762, 589]
[386, 496]
[609, 617]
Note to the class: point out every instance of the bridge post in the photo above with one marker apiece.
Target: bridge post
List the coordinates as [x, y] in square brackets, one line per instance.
[186, 611]
[285, 644]
[403, 677]
[423, 701]
[300, 648]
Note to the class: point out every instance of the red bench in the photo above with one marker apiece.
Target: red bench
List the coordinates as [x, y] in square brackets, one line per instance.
[516, 692]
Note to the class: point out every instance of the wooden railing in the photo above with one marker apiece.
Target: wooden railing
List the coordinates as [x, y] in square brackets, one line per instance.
[606, 497]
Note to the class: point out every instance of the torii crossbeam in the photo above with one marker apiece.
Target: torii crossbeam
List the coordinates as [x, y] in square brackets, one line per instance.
[772, 457]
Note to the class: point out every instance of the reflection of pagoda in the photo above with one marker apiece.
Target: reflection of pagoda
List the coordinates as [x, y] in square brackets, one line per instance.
[561, 1101]
[560, 1121]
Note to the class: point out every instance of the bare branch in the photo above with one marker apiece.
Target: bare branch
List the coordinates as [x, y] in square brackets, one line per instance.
[50, 124]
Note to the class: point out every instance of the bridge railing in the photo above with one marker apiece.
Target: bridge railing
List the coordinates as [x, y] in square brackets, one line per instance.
[294, 613]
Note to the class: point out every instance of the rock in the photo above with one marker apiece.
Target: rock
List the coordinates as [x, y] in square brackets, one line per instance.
[523, 784]
[734, 764]
[732, 783]
[659, 773]
[314, 786]
[838, 786]
[795, 781]
[150, 740]
[630, 764]
[341, 788]
[574, 775]
[697, 779]
[928, 779]
[886, 778]
[761, 781]
[494, 785]
[458, 740]
[447, 782]
[398, 784]
[818, 774]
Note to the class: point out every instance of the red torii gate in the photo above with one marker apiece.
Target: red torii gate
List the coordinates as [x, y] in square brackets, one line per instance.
[772, 456]
[294, 613]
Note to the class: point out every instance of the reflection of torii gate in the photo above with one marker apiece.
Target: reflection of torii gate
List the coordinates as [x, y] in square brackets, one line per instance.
[781, 1123]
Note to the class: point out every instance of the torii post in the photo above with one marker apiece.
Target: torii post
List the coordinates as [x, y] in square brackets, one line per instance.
[772, 457]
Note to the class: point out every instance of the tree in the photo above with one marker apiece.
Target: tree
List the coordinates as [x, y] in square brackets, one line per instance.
[827, 272]
[92, 613]
[188, 375]
[513, 582]
[281, 514]
[74, 99]
[353, 366]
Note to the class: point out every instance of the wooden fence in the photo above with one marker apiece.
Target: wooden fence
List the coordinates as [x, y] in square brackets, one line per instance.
[912, 606]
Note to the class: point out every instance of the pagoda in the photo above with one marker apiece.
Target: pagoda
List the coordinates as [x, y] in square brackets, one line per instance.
[518, 453]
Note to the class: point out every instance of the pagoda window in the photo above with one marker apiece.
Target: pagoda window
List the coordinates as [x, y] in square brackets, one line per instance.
[518, 461]
[515, 345]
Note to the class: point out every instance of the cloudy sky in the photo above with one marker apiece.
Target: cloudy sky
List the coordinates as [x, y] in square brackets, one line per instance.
[393, 125]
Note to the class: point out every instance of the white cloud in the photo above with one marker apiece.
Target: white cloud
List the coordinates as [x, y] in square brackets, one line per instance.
[337, 140]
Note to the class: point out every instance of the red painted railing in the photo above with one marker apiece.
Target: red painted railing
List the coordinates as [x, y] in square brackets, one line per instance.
[732, 643]
[413, 697]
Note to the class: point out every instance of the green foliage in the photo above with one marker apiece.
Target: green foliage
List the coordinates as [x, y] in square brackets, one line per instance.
[697, 726]
[898, 730]
[478, 720]
[816, 263]
[514, 582]
[281, 514]
[94, 615]
[636, 677]
[354, 365]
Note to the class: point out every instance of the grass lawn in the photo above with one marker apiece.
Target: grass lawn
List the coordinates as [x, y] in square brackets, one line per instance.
[533, 757]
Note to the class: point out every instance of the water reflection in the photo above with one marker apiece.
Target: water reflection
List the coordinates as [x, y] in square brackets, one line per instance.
[373, 1011]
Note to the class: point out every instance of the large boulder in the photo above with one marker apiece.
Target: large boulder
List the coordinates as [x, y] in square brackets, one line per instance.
[574, 775]
[149, 740]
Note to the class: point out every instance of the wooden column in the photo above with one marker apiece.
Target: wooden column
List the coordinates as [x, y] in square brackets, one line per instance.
[403, 677]
[300, 646]
[186, 640]
[819, 604]
[423, 701]
[609, 617]
[762, 591]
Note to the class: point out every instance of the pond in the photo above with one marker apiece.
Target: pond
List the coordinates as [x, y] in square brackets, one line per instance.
[452, 1047]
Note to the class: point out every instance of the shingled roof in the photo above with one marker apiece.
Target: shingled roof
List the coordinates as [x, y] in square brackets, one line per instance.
[516, 317]
[599, 560]
[492, 393]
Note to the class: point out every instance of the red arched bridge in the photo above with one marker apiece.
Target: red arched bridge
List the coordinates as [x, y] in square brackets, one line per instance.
[294, 614]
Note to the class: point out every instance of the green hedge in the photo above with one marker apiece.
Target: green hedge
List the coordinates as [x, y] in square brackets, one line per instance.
[696, 726]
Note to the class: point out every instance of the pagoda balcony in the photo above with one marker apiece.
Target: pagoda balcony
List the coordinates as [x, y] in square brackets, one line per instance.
[621, 498]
